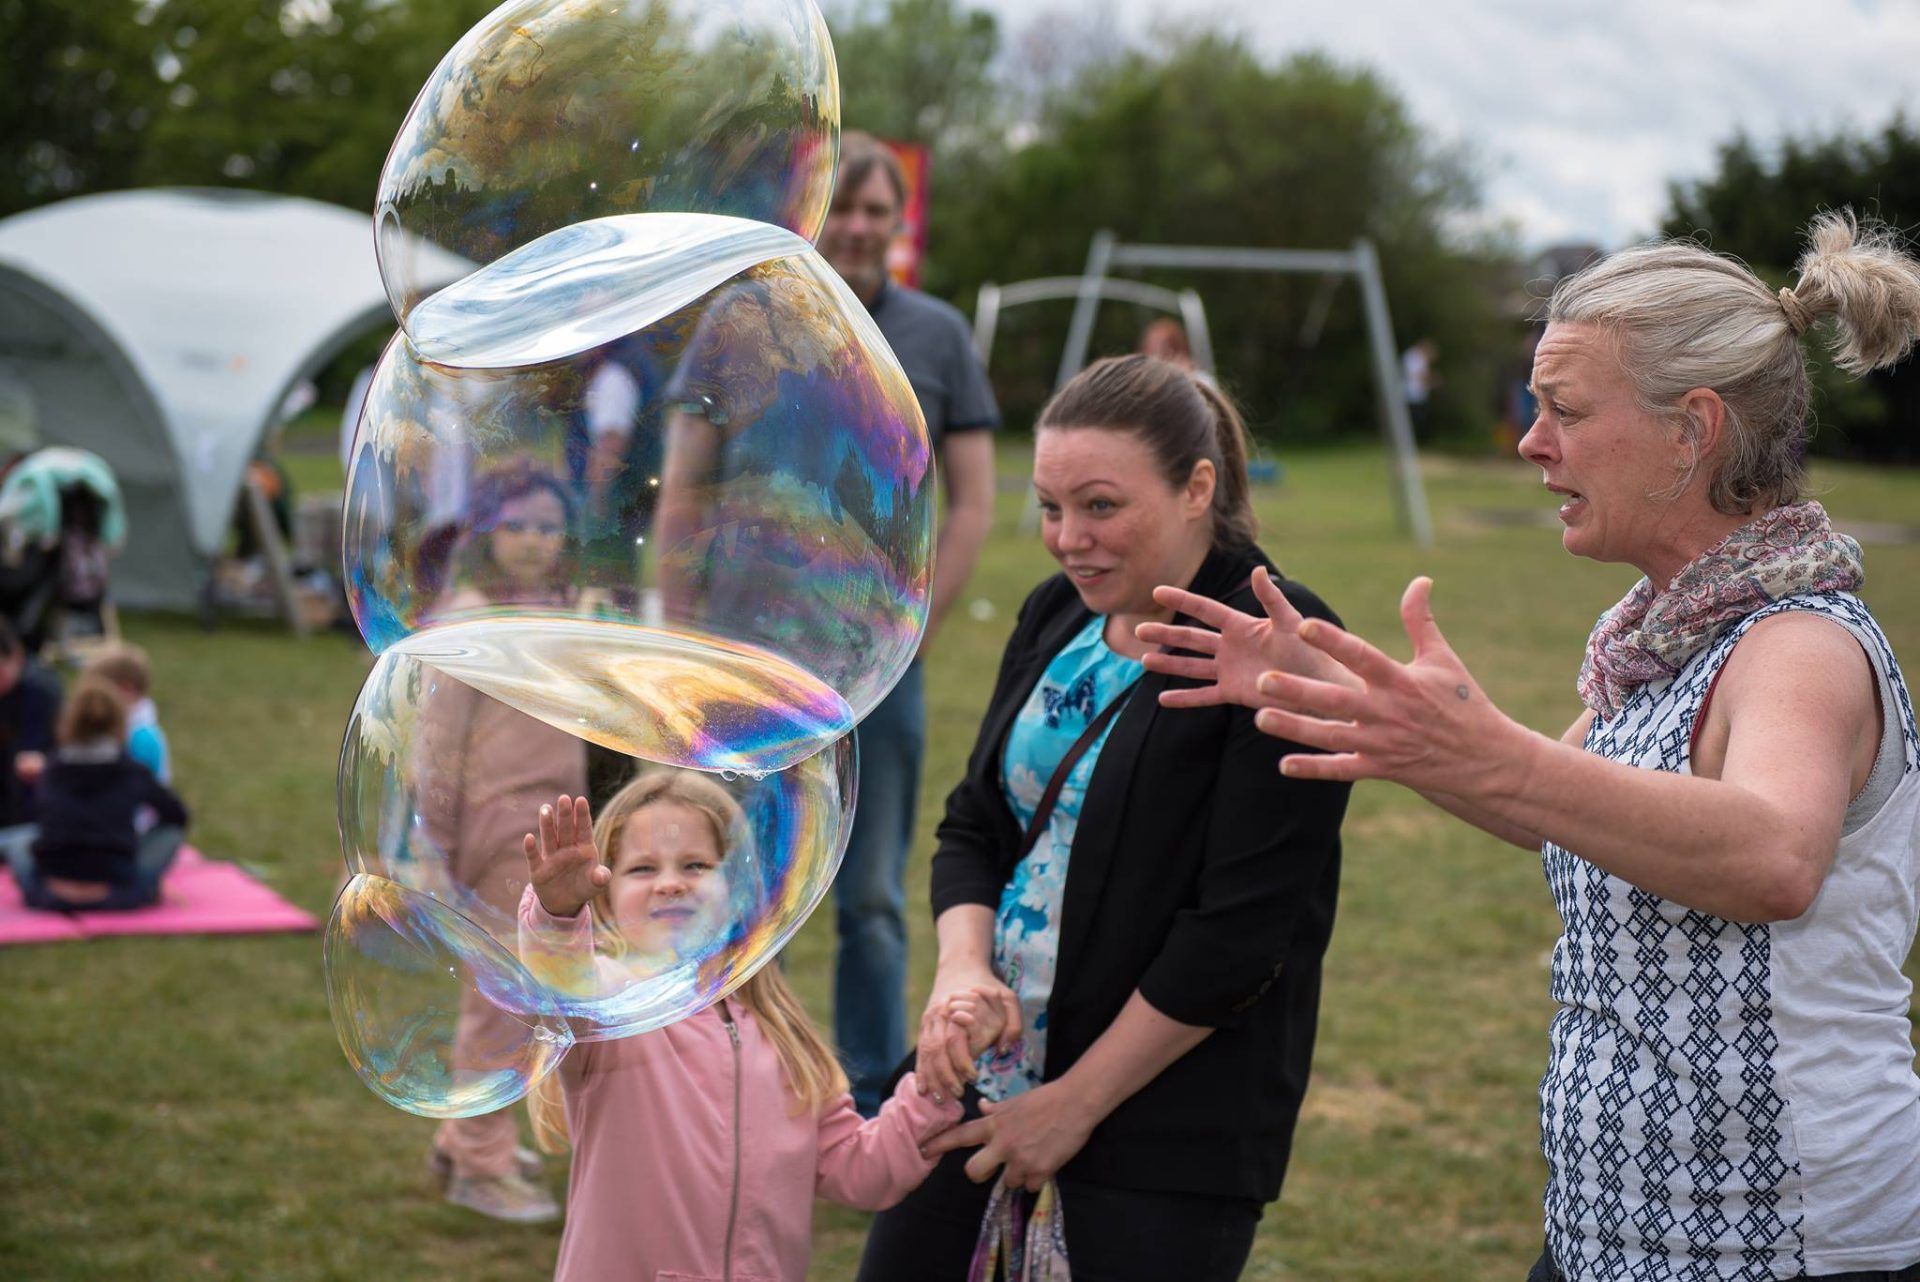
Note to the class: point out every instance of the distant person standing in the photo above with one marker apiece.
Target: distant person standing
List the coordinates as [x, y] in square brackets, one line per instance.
[935, 348]
[1419, 380]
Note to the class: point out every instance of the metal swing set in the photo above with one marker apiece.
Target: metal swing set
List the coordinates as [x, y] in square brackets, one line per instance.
[1097, 283]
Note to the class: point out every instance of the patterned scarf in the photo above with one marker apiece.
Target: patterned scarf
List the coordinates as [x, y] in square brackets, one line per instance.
[1650, 635]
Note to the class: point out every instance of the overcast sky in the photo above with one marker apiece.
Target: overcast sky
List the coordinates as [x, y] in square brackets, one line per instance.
[1580, 112]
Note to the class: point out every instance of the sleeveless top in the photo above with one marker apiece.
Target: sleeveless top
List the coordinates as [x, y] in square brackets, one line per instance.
[1734, 1101]
[1077, 686]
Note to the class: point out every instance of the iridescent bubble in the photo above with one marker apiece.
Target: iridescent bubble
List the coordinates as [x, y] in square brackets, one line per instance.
[434, 1014]
[454, 748]
[555, 112]
[745, 476]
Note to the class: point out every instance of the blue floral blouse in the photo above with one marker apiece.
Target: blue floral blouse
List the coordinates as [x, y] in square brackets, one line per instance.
[1076, 688]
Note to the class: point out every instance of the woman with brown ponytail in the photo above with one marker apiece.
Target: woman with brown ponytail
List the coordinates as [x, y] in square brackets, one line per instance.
[1731, 829]
[1139, 889]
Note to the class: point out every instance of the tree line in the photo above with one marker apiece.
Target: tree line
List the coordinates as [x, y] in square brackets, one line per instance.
[1039, 139]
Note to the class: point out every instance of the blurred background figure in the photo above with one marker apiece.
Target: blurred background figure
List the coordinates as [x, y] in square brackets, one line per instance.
[1166, 339]
[935, 348]
[1418, 378]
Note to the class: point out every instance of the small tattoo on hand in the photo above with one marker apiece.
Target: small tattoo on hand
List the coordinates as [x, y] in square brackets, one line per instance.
[1463, 692]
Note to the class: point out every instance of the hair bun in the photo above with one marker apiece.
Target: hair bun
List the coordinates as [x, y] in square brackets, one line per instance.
[1861, 274]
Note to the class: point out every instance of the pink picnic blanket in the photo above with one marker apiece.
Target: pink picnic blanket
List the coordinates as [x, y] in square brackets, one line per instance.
[198, 896]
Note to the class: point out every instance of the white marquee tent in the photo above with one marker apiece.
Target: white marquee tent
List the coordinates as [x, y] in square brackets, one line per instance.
[162, 329]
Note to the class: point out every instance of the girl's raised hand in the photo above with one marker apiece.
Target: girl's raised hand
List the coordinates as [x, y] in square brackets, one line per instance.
[1234, 649]
[563, 865]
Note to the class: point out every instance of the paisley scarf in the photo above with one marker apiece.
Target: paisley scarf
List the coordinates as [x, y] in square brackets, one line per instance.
[1650, 635]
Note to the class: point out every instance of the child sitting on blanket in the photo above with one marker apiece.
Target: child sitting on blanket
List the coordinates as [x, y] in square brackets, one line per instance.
[125, 665]
[88, 855]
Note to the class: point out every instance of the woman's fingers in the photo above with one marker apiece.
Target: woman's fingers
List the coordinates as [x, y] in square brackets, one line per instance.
[1332, 736]
[1182, 665]
[959, 1057]
[1215, 614]
[965, 1135]
[1192, 697]
[1321, 698]
[1179, 637]
[1273, 600]
[1416, 616]
[1349, 651]
[1339, 767]
[982, 1166]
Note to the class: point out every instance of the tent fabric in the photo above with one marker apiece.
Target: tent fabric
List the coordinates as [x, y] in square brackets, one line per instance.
[162, 329]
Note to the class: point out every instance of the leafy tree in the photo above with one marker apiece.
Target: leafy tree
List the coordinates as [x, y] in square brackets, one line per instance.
[1205, 143]
[1757, 203]
[295, 96]
[915, 70]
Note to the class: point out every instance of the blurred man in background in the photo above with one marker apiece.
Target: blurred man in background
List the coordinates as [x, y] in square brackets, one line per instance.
[935, 348]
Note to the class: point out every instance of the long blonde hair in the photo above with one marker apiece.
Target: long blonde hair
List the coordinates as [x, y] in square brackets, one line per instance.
[813, 1075]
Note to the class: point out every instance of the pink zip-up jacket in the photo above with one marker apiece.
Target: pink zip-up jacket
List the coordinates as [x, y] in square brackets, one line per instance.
[691, 1159]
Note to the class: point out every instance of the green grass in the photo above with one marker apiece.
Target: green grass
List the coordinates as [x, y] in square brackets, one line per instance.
[179, 1108]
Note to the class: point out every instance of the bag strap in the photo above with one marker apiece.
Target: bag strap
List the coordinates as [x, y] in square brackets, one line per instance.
[1048, 799]
[1044, 812]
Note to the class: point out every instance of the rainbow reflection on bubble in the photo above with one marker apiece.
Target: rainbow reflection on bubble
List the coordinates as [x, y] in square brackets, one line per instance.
[772, 488]
[555, 112]
[445, 767]
[640, 501]
[401, 968]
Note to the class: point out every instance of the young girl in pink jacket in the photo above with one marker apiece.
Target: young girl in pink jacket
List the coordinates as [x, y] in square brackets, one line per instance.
[698, 1149]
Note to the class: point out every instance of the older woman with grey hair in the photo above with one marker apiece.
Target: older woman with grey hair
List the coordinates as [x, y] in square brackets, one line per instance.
[1731, 829]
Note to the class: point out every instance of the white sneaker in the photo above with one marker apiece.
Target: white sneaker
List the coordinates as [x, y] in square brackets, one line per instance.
[513, 1198]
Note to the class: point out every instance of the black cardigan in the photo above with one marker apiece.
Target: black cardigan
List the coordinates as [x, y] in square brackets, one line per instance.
[1200, 876]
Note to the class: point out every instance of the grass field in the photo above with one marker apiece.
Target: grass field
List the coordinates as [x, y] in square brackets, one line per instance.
[178, 1108]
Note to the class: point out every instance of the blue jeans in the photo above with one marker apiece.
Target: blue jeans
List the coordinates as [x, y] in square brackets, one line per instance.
[870, 970]
[140, 890]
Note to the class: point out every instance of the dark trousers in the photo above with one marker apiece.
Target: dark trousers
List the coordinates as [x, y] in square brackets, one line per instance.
[1113, 1234]
[140, 888]
[1544, 1270]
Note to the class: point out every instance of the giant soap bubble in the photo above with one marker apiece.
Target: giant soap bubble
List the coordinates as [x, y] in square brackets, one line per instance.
[439, 781]
[643, 495]
[556, 112]
[743, 472]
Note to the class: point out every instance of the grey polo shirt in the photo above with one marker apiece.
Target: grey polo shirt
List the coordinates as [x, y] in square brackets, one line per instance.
[934, 346]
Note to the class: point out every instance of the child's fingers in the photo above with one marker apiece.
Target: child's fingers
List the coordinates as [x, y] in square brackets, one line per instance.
[582, 821]
[531, 845]
[600, 875]
[549, 837]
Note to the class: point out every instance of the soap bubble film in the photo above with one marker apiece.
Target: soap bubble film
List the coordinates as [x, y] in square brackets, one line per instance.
[440, 781]
[555, 112]
[434, 1014]
[747, 477]
[639, 508]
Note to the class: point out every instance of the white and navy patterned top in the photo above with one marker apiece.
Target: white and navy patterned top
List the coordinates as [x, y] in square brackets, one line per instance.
[1729, 1101]
[1077, 686]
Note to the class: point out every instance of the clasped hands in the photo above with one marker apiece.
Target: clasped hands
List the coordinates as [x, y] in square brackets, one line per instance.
[1031, 1135]
[1425, 723]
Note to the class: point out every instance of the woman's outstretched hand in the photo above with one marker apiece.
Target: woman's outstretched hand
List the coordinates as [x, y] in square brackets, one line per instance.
[563, 864]
[1234, 650]
[1426, 724]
